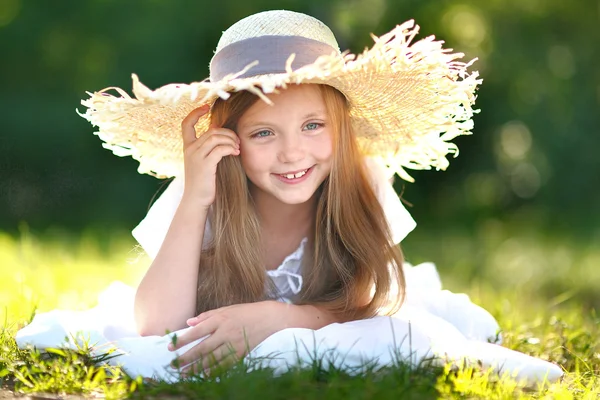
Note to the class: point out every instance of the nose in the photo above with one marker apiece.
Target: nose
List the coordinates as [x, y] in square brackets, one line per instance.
[291, 149]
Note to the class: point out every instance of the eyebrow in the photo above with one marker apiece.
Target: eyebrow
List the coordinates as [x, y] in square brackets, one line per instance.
[313, 114]
[318, 113]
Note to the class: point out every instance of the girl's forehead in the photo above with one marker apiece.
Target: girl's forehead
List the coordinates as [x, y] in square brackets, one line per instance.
[294, 93]
[297, 100]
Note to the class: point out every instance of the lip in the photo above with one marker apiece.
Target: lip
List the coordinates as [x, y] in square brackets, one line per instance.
[295, 172]
[295, 181]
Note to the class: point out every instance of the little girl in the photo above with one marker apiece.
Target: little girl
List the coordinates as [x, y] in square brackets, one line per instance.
[273, 175]
[281, 219]
[269, 176]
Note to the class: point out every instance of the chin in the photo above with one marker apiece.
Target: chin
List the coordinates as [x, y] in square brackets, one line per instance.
[299, 199]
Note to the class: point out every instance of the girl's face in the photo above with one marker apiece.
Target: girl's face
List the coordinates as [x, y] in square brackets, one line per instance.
[286, 148]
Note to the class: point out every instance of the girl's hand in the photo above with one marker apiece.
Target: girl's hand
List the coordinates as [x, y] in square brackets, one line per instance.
[201, 156]
[234, 331]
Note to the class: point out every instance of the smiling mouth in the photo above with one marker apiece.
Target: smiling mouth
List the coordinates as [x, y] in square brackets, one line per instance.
[295, 174]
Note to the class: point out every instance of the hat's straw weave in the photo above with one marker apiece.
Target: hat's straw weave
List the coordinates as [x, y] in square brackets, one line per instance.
[408, 101]
[277, 23]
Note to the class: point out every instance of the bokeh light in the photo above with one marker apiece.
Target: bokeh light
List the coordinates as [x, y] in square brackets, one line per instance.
[561, 62]
[485, 189]
[515, 139]
[467, 26]
[525, 180]
[351, 17]
[9, 10]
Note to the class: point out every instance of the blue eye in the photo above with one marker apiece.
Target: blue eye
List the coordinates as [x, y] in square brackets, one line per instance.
[261, 134]
[311, 126]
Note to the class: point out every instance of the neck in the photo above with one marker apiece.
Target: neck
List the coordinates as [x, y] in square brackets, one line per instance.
[276, 217]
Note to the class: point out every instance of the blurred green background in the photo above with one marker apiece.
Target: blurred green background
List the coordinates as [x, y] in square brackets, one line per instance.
[520, 203]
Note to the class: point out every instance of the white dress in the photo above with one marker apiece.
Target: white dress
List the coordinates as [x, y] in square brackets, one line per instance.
[431, 322]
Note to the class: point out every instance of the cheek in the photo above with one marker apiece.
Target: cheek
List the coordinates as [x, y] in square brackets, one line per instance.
[254, 159]
[323, 148]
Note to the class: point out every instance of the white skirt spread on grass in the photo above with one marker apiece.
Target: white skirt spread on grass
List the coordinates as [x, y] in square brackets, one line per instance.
[432, 323]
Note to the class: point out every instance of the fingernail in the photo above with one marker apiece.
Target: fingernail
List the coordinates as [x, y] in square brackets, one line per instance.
[171, 347]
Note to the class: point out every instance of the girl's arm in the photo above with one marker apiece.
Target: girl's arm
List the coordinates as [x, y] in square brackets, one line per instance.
[305, 316]
[237, 329]
[166, 296]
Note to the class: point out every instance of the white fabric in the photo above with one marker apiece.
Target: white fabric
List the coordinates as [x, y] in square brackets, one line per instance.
[432, 322]
[287, 277]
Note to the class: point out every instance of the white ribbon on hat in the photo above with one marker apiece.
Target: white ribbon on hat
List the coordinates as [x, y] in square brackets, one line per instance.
[273, 51]
[151, 231]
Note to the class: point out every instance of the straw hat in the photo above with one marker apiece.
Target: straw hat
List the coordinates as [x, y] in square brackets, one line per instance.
[407, 101]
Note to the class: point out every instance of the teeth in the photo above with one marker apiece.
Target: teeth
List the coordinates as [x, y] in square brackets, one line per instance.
[292, 176]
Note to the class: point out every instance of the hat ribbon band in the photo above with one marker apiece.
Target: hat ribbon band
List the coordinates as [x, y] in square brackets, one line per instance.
[272, 52]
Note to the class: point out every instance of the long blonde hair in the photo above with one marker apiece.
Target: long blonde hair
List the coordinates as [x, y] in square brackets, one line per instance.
[350, 262]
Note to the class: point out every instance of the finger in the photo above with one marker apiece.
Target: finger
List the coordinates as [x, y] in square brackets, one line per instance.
[219, 152]
[204, 145]
[226, 132]
[196, 370]
[223, 356]
[200, 351]
[201, 317]
[187, 125]
[199, 331]
[206, 314]
[216, 131]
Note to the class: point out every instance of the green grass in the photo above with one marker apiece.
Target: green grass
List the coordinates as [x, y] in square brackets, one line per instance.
[548, 315]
